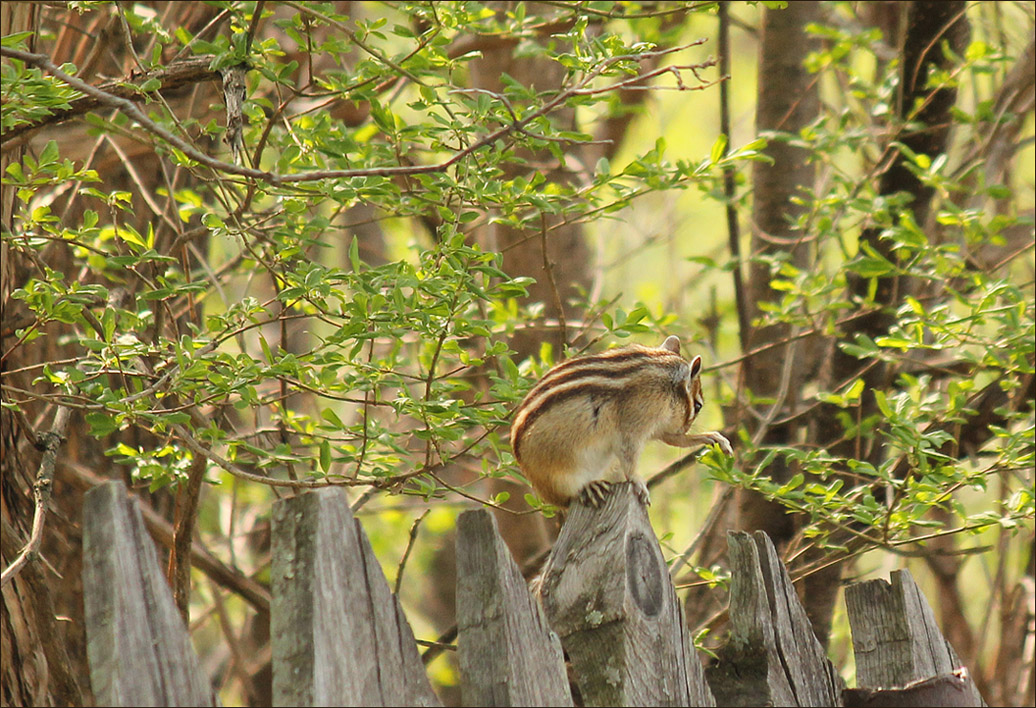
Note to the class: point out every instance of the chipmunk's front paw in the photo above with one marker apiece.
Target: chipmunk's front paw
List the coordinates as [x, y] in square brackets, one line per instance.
[594, 493]
[724, 444]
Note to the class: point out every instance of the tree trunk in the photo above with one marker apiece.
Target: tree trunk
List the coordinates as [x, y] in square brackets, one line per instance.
[928, 25]
[44, 659]
[787, 101]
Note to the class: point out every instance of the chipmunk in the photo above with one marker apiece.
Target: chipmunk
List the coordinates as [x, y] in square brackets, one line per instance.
[582, 427]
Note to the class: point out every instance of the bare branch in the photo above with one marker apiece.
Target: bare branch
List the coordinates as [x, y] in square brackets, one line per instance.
[41, 491]
[580, 88]
[174, 76]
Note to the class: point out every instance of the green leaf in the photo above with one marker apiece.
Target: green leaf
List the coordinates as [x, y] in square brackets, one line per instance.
[108, 323]
[325, 456]
[793, 483]
[354, 254]
[719, 148]
[853, 393]
[101, 424]
[883, 404]
[16, 40]
[50, 154]
[872, 267]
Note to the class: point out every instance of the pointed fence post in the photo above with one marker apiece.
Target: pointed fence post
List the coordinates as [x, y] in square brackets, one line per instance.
[508, 655]
[897, 642]
[772, 658]
[338, 633]
[607, 593]
[136, 643]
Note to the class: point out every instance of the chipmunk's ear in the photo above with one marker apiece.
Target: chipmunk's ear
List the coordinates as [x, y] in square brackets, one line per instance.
[695, 366]
[672, 343]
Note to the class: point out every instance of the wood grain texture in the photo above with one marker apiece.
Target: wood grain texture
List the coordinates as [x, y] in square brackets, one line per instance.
[508, 655]
[137, 645]
[944, 690]
[896, 640]
[772, 658]
[339, 635]
[607, 593]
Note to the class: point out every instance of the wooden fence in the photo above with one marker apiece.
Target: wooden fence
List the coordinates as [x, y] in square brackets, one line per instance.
[340, 637]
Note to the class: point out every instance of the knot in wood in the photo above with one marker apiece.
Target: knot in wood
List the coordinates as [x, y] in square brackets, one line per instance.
[644, 575]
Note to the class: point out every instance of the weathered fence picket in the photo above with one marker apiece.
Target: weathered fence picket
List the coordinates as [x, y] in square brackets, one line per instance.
[607, 593]
[339, 636]
[897, 642]
[508, 655]
[136, 643]
[772, 657]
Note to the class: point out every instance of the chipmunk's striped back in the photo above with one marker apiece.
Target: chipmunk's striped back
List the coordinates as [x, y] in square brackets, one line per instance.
[609, 374]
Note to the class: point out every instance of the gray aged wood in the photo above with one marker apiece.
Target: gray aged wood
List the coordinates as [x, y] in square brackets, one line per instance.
[136, 643]
[895, 637]
[945, 690]
[339, 636]
[607, 593]
[508, 655]
[772, 658]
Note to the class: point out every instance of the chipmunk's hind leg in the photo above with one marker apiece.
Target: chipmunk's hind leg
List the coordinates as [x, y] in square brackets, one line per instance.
[594, 493]
[641, 490]
[629, 453]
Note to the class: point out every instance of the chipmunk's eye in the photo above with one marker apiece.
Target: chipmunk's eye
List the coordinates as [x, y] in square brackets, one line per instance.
[697, 406]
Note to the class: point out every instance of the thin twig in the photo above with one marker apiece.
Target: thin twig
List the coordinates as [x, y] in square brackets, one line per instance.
[674, 468]
[733, 229]
[581, 88]
[41, 491]
[717, 511]
[253, 26]
[548, 267]
[444, 642]
[581, 9]
[407, 550]
[186, 515]
[175, 75]
[782, 394]
[251, 591]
